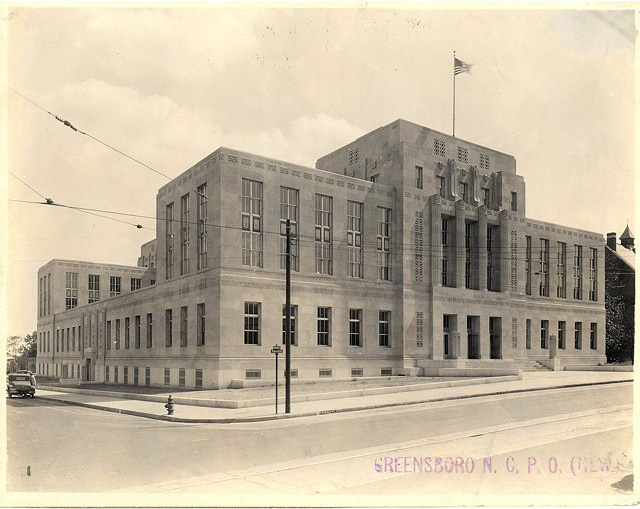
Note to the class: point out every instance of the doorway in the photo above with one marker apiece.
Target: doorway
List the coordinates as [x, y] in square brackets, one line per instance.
[495, 337]
[473, 338]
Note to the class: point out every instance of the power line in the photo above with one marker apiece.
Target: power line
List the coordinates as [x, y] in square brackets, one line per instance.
[71, 126]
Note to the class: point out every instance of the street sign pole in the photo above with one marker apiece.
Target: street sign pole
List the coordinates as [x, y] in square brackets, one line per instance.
[276, 349]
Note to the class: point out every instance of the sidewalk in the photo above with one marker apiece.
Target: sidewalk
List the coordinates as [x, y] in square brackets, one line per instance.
[531, 381]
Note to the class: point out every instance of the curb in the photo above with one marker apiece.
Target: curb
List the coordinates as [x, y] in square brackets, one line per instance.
[236, 420]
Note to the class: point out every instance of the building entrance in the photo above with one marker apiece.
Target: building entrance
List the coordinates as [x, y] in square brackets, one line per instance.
[495, 339]
[473, 338]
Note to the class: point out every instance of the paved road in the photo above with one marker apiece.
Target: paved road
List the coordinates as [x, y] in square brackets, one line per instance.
[73, 449]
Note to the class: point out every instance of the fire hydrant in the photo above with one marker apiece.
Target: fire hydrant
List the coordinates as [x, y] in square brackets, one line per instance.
[169, 406]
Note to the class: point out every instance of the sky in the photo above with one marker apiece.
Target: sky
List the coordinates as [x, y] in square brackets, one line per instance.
[169, 86]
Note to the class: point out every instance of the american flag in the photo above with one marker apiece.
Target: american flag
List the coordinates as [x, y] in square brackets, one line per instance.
[459, 67]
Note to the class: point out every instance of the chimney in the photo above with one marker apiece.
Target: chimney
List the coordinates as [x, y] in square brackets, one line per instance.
[611, 240]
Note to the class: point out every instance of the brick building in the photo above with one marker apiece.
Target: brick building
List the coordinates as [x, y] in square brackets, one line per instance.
[413, 252]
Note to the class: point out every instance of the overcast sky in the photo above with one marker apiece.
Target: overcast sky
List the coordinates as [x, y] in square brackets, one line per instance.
[169, 86]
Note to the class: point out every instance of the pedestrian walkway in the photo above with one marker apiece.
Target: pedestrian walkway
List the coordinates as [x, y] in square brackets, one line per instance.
[531, 381]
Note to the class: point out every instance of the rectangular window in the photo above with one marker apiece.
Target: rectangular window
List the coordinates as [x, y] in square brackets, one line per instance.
[137, 331]
[167, 376]
[71, 291]
[40, 298]
[251, 223]
[106, 372]
[527, 266]
[136, 283]
[127, 333]
[593, 336]
[354, 238]
[593, 274]
[357, 372]
[294, 316]
[108, 338]
[528, 334]
[383, 244]
[444, 239]
[184, 323]
[181, 377]
[168, 328]
[115, 286]
[147, 376]
[446, 329]
[325, 373]
[115, 374]
[577, 335]
[149, 330]
[201, 324]
[464, 192]
[94, 288]
[324, 326]
[484, 161]
[442, 190]
[125, 375]
[468, 251]
[486, 196]
[169, 239]
[419, 177]
[544, 334]
[491, 258]
[184, 234]
[289, 209]
[514, 201]
[463, 155]
[384, 327]
[203, 204]
[439, 147]
[323, 234]
[562, 271]
[354, 155]
[48, 294]
[251, 323]
[73, 339]
[118, 334]
[253, 373]
[544, 267]
[577, 272]
[562, 335]
[355, 327]
[198, 379]
[135, 375]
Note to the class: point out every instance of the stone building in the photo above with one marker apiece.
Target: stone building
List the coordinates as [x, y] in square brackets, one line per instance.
[412, 252]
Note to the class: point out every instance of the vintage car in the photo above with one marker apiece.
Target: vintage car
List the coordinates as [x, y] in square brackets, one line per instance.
[21, 384]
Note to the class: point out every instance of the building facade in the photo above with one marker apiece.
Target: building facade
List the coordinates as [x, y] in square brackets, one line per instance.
[412, 251]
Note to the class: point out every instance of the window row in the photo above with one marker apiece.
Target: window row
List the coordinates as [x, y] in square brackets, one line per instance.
[440, 149]
[562, 335]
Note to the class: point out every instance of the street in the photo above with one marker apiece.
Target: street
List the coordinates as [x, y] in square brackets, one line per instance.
[61, 448]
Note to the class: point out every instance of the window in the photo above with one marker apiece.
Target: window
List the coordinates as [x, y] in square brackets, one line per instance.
[527, 267]
[577, 272]
[357, 372]
[593, 335]
[106, 372]
[184, 234]
[137, 331]
[252, 373]
[383, 244]
[544, 267]
[384, 321]
[442, 191]
[168, 328]
[251, 323]
[167, 376]
[323, 234]
[289, 209]
[108, 339]
[294, 316]
[169, 239]
[419, 328]
[386, 371]
[491, 283]
[562, 271]
[463, 155]
[40, 298]
[374, 178]
[446, 330]
[149, 330]
[486, 195]
[147, 376]
[577, 335]
[439, 147]
[544, 334]
[468, 249]
[514, 201]
[251, 223]
[135, 375]
[562, 335]
[115, 286]
[484, 161]
[444, 238]
[136, 283]
[419, 177]
[48, 294]
[354, 156]
[325, 373]
[125, 375]
[324, 326]
[593, 274]
[94, 288]
[201, 324]
[73, 339]
[354, 238]
[127, 333]
[184, 323]
[464, 191]
[355, 327]
[118, 334]
[198, 378]
[528, 334]
[71, 292]
[201, 191]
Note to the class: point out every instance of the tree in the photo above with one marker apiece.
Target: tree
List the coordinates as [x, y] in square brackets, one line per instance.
[30, 345]
[14, 345]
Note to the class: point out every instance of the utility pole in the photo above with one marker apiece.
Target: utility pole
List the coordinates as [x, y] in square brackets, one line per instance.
[287, 326]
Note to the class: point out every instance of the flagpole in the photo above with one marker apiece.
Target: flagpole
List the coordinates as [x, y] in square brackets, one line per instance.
[454, 93]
